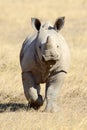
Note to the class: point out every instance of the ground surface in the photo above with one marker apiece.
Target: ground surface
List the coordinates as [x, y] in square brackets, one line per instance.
[15, 25]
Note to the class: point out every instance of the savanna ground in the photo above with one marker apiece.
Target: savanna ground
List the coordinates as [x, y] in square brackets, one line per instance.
[15, 25]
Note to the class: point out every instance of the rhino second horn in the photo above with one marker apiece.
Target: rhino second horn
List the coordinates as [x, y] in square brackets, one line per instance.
[49, 42]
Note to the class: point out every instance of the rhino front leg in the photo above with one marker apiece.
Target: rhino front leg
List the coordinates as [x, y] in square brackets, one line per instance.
[31, 90]
[52, 89]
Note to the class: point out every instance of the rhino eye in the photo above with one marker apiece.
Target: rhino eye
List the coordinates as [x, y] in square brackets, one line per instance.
[57, 46]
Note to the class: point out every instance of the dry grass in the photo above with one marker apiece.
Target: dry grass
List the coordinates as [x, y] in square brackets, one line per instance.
[14, 27]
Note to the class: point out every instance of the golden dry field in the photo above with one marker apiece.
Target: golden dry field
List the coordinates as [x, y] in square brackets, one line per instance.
[15, 25]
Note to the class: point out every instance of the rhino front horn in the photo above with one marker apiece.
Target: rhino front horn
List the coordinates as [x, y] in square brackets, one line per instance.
[49, 42]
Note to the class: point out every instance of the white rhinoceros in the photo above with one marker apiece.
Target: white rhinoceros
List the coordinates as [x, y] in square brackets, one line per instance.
[44, 58]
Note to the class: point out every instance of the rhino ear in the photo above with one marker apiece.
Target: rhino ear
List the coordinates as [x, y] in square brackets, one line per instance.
[36, 23]
[59, 23]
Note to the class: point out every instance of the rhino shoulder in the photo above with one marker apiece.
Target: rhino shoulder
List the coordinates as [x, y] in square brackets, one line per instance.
[65, 53]
[25, 45]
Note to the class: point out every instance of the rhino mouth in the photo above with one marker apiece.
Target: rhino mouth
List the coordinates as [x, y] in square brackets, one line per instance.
[49, 57]
[48, 60]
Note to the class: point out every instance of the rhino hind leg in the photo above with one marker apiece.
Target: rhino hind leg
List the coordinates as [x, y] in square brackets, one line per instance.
[52, 89]
[31, 90]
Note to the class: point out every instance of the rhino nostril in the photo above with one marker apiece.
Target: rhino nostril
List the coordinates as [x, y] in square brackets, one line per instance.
[43, 59]
[39, 46]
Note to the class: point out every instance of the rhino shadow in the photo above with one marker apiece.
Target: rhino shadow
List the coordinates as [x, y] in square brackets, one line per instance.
[12, 107]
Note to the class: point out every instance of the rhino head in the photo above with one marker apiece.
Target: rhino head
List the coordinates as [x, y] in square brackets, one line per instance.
[47, 43]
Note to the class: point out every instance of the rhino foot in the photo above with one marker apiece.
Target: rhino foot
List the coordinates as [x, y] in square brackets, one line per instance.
[37, 104]
[53, 108]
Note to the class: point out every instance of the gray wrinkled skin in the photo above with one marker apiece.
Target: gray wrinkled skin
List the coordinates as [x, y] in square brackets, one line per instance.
[44, 58]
